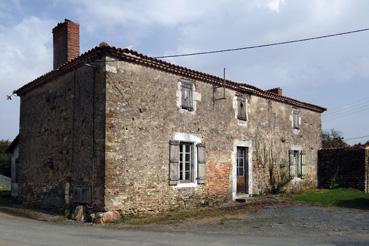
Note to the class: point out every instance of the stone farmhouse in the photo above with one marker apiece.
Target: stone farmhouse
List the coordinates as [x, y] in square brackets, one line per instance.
[117, 130]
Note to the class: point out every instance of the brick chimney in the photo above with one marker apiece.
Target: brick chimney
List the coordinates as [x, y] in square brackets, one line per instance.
[277, 91]
[66, 42]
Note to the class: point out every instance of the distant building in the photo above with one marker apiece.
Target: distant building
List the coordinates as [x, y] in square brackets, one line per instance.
[118, 130]
[13, 150]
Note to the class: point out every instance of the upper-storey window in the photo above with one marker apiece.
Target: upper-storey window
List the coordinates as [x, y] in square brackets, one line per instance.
[241, 107]
[296, 118]
[187, 95]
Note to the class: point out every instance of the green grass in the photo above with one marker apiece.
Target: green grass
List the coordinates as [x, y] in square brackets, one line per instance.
[172, 216]
[336, 197]
[4, 187]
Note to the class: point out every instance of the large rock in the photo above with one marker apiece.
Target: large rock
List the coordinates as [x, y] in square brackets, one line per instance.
[107, 217]
[79, 213]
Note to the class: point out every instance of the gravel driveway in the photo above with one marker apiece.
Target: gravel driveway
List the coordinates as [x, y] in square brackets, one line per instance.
[279, 225]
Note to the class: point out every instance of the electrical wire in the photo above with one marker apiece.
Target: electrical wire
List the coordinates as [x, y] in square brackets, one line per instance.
[263, 45]
[364, 99]
[348, 139]
[347, 114]
[348, 110]
[346, 107]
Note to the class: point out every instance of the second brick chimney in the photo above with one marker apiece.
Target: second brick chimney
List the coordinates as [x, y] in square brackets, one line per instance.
[277, 91]
[65, 42]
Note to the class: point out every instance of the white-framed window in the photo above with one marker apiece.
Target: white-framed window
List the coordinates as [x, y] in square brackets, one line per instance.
[297, 161]
[187, 161]
[296, 118]
[186, 167]
[187, 95]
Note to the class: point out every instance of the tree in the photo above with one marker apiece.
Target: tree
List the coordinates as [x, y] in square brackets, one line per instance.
[333, 139]
[4, 158]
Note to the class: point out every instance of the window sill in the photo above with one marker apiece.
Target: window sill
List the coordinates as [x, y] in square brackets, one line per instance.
[297, 179]
[187, 108]
[186, 185]
[242, 122]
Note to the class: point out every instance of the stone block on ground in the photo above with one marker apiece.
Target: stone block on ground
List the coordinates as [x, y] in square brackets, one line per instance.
[107, 217]
[79, 213]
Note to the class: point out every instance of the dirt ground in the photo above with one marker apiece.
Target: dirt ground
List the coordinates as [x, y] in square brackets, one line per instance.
[278, 224]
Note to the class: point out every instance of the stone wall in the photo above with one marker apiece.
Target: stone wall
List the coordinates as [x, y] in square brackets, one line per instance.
[142, 116]
[109, 131]
[62, 139]
[343, 167]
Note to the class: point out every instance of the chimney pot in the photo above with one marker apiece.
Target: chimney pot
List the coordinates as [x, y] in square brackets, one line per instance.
[103, 44]
[65, 42]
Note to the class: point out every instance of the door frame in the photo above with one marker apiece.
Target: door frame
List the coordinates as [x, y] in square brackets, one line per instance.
[248, 145]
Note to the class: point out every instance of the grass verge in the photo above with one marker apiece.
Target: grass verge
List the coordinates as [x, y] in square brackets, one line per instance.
[4, 187]
[221, 213]
[349, 198]
[172, 216]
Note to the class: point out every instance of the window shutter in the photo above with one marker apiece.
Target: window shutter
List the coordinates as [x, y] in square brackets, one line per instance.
[241, 107]
[296, 119]
[201, 164]
[303, 164]
[173, 162]
[292, 170]
[187, 98]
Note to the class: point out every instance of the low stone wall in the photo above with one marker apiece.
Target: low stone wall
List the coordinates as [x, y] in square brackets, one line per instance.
[343, 167]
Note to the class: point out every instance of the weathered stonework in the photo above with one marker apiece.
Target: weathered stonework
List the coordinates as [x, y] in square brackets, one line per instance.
[104, 127]
[62, 140]
[142, 116]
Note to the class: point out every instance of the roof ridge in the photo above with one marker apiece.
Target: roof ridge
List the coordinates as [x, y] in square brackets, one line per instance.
[139, 58]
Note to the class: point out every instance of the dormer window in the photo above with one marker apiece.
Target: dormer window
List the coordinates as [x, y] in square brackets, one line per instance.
[187, 95]
[241, 107]
[296, 118]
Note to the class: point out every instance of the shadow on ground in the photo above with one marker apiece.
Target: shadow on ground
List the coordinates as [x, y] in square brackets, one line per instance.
[358, 203]
[5, 198]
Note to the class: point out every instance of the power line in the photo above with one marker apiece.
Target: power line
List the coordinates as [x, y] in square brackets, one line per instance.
[348, 110]
[263, 45]
[347, 107]
[347, 114]
[337, 108]
[347, 139]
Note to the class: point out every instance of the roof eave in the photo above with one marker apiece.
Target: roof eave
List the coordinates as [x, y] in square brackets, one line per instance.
[135, 57]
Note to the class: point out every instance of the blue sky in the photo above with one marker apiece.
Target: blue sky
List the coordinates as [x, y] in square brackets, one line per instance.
[333, 73]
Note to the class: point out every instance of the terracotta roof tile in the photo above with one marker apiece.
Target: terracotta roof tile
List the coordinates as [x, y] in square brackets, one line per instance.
[137, 58]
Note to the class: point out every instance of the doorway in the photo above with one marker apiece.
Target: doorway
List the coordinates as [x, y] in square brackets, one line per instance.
[242, 170]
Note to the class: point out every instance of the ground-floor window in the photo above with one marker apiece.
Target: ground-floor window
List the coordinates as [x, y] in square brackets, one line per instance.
[186, 162]
[296, 163]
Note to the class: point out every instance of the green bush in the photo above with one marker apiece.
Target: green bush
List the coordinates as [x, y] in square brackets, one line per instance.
[4, 158]
[333, 184]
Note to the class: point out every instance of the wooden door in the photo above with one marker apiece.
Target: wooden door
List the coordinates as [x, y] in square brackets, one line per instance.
[242, 170]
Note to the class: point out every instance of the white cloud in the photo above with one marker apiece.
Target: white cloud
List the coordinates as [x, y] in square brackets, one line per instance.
[26, 53]
[274, 5]
[110, 14]
[181, 26]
